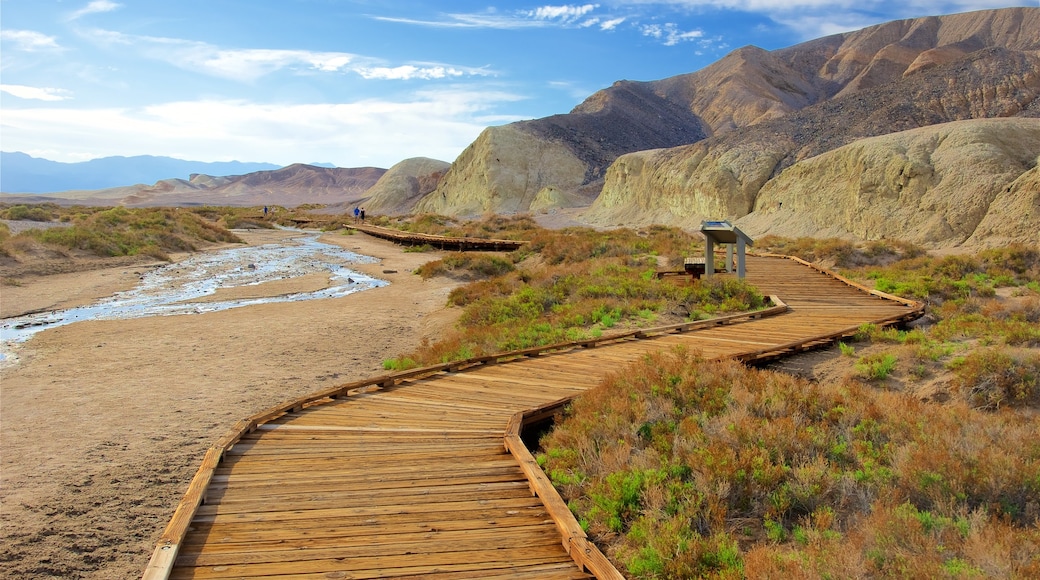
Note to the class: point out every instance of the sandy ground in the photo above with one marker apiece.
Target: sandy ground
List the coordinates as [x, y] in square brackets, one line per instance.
[103, 423]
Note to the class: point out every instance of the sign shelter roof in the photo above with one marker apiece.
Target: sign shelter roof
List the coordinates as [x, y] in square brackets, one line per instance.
[723, 232]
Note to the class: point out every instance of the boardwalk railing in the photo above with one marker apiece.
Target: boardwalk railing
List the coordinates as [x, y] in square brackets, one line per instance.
[584, 553]
[441, 242]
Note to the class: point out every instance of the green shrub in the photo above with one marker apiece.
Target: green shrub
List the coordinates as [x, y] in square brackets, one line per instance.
[678, 455]
[992, 378]
[36, 213]
[877, 366]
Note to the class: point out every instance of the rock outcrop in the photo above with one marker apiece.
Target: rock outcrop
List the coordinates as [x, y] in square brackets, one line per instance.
[479, 182]
[720, 177]
[403, 185]
[560, 160]
[940, 186]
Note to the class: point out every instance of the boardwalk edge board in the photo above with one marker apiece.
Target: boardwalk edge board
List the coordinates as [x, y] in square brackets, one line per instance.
[440, 242]
[585, 554]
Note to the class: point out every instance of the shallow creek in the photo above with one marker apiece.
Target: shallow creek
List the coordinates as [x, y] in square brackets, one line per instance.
[180, 288]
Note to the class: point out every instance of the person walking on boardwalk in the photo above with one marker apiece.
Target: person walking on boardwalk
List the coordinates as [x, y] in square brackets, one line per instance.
[357, 213]
[362, 215]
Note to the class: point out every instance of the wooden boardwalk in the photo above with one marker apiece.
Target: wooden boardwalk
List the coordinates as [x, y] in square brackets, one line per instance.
[439, 242]
[413, 475]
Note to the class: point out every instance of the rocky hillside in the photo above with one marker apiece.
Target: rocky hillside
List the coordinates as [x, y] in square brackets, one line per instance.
[744, 120]
[971, 182]
[403, 185]
[721, 176]
[293, 185]
[563, 157]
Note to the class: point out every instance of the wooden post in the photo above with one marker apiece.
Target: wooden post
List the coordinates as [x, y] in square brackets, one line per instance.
[741, 250]
[709, 257]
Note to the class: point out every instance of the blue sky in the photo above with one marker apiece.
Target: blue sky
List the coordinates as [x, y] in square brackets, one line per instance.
[358, 82]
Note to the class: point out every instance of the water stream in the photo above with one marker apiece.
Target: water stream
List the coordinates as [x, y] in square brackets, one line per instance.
[176, 288]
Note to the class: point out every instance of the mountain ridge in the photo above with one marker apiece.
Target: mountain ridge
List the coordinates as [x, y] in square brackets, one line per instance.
[23, 173]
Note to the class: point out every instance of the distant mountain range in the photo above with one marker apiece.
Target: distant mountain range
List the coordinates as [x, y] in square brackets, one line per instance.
[21, 173]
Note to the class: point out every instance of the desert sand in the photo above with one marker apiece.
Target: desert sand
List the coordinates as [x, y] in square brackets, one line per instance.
[103, 423]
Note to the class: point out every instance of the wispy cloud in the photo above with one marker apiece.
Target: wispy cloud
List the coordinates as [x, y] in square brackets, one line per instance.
[563, 14]
[670, 34]
[573, 16]
[431, 123]
[36, 93]
[247, 65]
[94, 7]
[409, 72]
[491, 20]
[29, 40]
[576, 16]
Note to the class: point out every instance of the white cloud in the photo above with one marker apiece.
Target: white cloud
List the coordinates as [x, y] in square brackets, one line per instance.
[36, 93]
[541, 17]
[483, 20]
[611, 24]
[566, 14]
[437, 124]
[408, 72]
[669, 33]
[251, 64]
[94, 7]
[248, 65]
[29, 40]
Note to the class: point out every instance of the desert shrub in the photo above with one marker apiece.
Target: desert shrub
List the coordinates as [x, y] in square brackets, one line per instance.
[120, 231]
[841, 253]
[569, 302]
[682, 467]
[992, 321]
[413, 249]
[956, 277]
[569, 285]
[991, 378]
[37, 213]
[467, 264]
[399, 364]
[575, 245]
[877, 366]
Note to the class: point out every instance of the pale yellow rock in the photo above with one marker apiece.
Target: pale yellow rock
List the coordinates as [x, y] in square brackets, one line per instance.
[503, 172]
[682, 185]
[1014, 216]
[938, 186]
[403, 185]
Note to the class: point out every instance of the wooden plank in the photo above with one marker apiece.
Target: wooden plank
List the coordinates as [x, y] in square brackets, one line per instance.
[302, 549]
[557, 571]
[208, 513]
[215, 535]
[384, 566]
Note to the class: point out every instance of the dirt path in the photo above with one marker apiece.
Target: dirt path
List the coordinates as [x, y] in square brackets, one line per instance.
[103, 423]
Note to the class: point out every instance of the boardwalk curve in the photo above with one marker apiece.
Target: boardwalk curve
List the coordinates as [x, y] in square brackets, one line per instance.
[424, 473]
